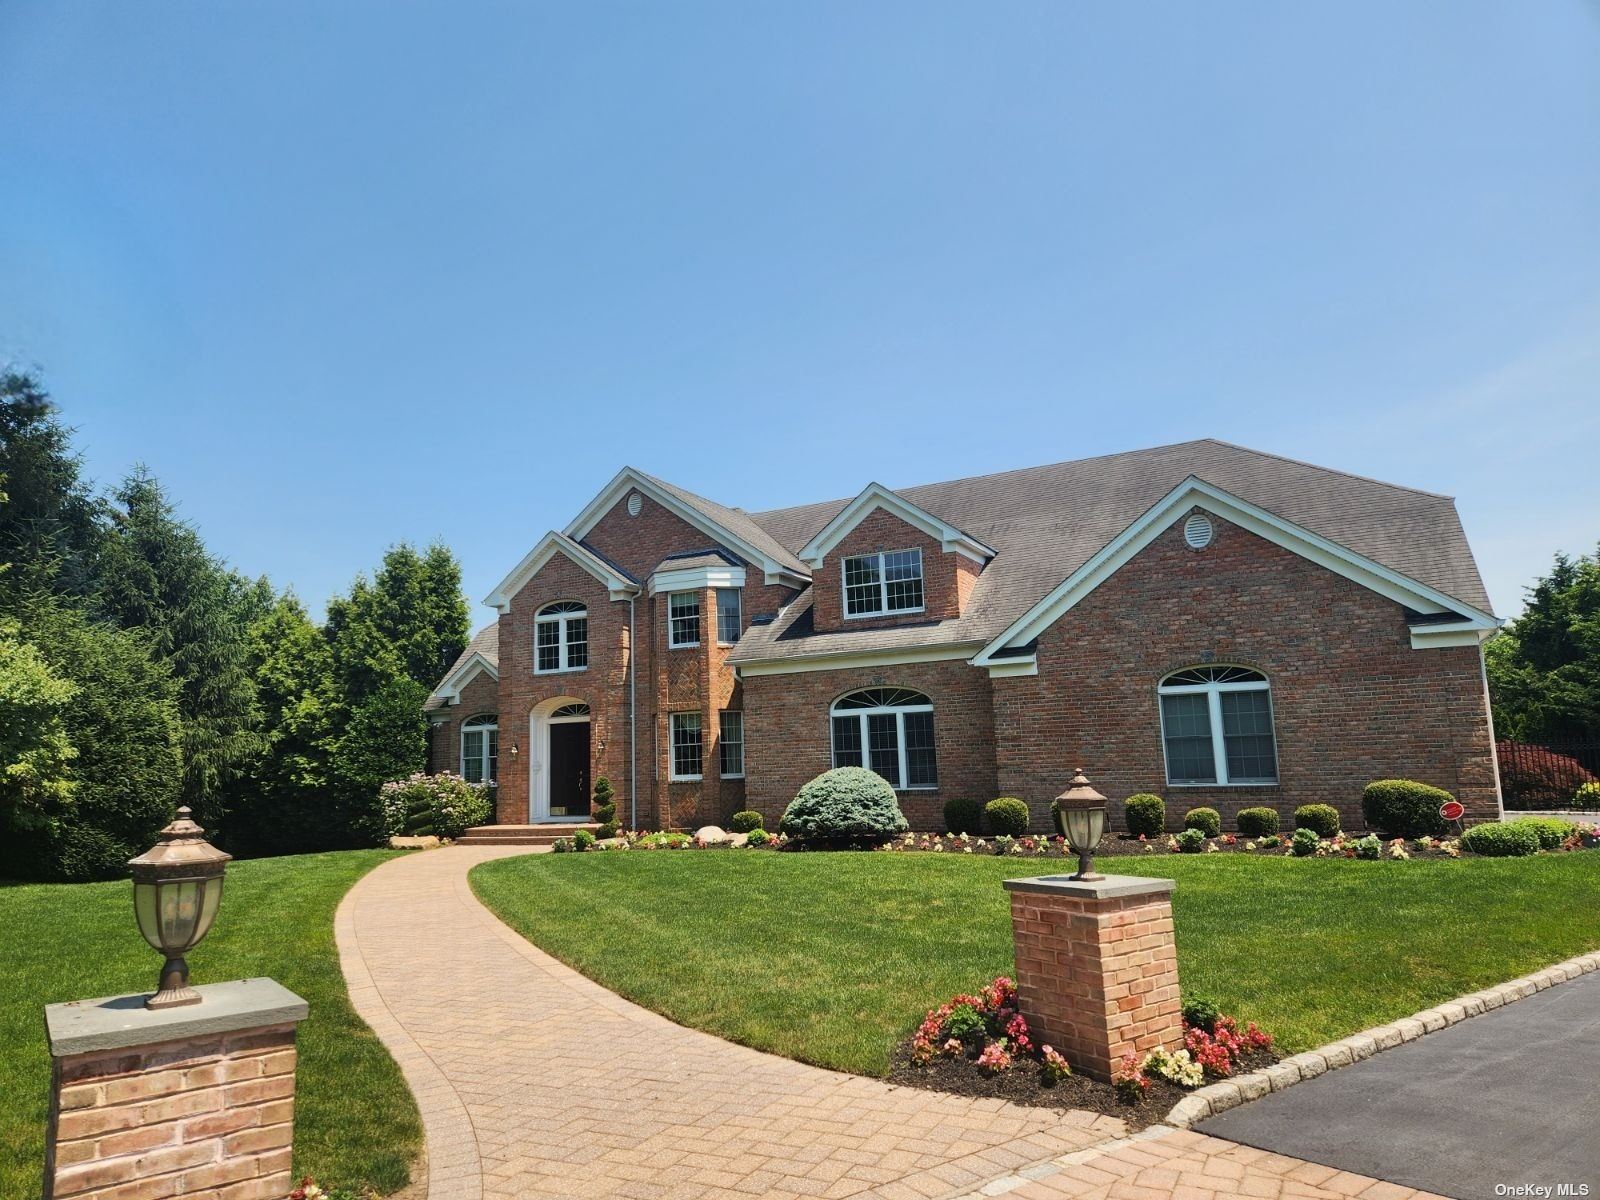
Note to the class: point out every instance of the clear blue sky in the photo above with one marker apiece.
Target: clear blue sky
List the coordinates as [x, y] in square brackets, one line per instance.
[345, 274]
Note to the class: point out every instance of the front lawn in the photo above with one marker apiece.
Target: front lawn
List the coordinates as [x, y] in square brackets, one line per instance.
[834, 958]
[355, 1121]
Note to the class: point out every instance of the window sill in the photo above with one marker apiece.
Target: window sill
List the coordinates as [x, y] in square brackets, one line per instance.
[1260, 783]
[685, 778]
[885, 612]
[730, 776]
[683, 645]
[561, 670]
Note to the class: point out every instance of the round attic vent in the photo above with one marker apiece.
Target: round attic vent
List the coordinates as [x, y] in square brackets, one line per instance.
[635, 503]
[1197, 531]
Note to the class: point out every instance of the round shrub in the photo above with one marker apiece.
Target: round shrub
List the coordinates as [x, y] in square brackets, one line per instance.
[1321, 819]
[1404, 807]
[1006, 817]
[1513, 839]
[1551, 831]
[744, 821]
[1201, 1012]
[846, 804]
[1191, 841]
[1145, 813]
[1258, 822]
[583, 840]
[759, 837]
[1207, 820]
[1304, 843]
[962, 815]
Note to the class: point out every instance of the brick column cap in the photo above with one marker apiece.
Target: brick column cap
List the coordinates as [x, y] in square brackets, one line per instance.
[1110, 888]
[118, 1022]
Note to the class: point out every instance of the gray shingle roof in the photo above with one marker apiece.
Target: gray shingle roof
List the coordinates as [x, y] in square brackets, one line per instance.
[739, 523]
[485, 642]
[1046, 522]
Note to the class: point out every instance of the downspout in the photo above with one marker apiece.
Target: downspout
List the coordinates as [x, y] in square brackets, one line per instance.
[633, 726]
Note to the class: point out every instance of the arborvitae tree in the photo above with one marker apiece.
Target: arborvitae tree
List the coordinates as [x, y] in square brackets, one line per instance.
[385, 739]
[157, 576]
[1544, 668]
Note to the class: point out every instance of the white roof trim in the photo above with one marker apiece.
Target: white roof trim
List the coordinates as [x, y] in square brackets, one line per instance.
[452, 685]
[618, 586]
[697, 579]
[1177, 503]
[875, 496]
[628, 479]
[855, 658]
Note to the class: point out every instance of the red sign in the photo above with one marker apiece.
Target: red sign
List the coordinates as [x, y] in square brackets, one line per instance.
[1451, 810]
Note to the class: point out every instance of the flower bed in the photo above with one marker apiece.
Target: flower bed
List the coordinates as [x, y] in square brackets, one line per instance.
[980, 1045]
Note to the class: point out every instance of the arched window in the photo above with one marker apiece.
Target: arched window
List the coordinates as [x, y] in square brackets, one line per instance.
[889, 730]
[1216, 725]
[480, 748]
[561, 637]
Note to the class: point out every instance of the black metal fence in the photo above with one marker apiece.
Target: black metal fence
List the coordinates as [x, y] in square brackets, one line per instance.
[1548, 776]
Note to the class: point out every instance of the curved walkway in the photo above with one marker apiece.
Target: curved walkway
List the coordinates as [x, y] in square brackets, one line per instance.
[533, 1080]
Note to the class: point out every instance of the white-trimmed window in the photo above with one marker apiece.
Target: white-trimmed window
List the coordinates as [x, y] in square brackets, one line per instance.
[730, 744]
[730, 616]
[686, 745]
[1216, 727]
[561, 638]
[889, 730]
[888, 582]
[683, 619]
[480, 748]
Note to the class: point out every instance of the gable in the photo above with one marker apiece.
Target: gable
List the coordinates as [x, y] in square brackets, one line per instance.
[876, 498]
[618, 585]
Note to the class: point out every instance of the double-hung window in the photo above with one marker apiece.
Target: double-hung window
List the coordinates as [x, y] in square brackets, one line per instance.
[1216, 726]
[729, 616]
[887, 582]
[730, 744]
[887, 730]
[561, 637]
[683, 619]
[686, 745]
[480, 748]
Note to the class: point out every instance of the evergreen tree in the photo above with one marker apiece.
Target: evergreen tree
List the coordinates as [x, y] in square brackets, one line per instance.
[36, 752]
[1544, 667]
[386, 739]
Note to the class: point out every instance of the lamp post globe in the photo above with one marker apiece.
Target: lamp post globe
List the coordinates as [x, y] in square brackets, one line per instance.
[177, 887]
[1080, 813]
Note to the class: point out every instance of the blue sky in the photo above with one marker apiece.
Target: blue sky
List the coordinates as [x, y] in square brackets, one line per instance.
[349, 274]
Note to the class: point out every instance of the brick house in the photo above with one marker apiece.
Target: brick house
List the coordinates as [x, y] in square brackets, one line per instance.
[1204, 621]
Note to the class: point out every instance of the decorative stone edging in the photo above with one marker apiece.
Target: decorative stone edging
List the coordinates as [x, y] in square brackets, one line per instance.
[1230, 1093]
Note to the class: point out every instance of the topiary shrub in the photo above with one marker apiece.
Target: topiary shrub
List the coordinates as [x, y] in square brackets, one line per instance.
[1191, 841]
[962, 815]
[605, 808]
[744, 821]
[1145, 813]
[1551, 831]
[1258, 822]
[1321, 819]
[1404, 807]
[1513, 839]
[1006, 817]
[846, 804]
[1207, 820]
[1304, 843]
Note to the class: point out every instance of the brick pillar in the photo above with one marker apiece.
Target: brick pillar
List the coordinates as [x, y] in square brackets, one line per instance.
[1097, 967]
[192, 1101]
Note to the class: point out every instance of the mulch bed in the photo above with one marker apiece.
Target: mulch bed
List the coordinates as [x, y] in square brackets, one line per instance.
[1020, 1084]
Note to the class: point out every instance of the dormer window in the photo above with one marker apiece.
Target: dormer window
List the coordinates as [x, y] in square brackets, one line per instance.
[561, 638]
[887, 582]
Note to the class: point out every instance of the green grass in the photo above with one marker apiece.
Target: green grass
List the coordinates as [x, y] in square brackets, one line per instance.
[356, 1123]
[833, 958]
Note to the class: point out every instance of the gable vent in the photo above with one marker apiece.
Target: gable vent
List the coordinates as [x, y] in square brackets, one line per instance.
[635, 503]
[1197, 531]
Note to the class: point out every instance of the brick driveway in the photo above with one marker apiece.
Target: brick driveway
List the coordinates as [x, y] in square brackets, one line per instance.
[532, 1080]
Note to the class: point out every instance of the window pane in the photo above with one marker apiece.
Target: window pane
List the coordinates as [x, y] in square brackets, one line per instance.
[1247, 735]
[728, 615]
[922, 768]
[494, 755]
[903, 571]
[578, 642]
[883, 745]
[685, 744]
[861, 591]
[472, 756]
[683, 618]
[1187, 722]
[548, 639]
[731, 745]
[847, 741]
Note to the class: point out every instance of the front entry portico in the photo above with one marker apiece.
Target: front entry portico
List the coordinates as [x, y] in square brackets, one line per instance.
[559, 772]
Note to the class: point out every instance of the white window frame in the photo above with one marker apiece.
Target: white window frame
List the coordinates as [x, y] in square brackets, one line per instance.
[738, 614]
[478, 724]
[1219, 745]
[672, 747]
[564, 644]
[700, 620]
[899, 711]
[724, 740]
[883, 609]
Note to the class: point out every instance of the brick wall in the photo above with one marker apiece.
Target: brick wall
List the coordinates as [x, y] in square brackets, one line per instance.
[1352, 701]
[946, 578]
[209, 1116]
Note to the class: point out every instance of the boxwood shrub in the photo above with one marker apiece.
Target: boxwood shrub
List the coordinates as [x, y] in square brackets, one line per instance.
[963, 815]
[1321, 819]
[1145, 813]
[1551, 831]
[1207, 820]
[1257, 822]
[1404, 808]
[1006, 817]
[1513, 839]
[744, 821]
[846, 804]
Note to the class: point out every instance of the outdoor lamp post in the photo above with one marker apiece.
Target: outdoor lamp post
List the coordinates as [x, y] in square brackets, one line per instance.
[177, 886]
[1081, 818]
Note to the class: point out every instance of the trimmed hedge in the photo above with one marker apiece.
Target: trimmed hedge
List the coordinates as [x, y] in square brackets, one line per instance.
[1513, 839]
[1207, 820]
[1404, 808]
[744, 821]
[1257, 822]
[846, 804]
[963, 815]
[1006, 817]
[1321, 819]
[1145, 813]
[1551, 831]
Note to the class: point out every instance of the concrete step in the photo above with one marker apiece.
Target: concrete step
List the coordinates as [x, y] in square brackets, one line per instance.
[519, 835]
